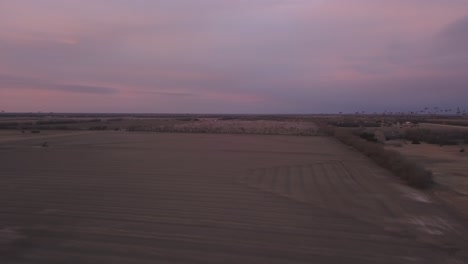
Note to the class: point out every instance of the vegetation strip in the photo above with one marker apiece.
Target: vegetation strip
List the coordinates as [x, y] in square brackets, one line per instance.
[414, 174]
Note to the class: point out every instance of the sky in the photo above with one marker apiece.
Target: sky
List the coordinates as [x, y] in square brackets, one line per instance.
[232, 56]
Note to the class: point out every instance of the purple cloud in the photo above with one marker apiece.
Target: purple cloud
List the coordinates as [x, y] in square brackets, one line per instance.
[264, 56]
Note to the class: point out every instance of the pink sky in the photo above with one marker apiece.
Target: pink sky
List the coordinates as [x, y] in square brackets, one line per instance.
[223, 56]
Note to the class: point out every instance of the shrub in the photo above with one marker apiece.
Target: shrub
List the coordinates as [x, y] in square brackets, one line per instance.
[417, 176]
[439, 137]
[368, 136]
[407, 170]
[97, 128]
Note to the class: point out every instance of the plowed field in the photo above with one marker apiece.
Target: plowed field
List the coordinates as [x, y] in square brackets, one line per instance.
[119, 197]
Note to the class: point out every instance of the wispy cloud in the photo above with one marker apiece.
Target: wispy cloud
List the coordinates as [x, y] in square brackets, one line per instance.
[454, 37]
[242, 55]
[17, 82]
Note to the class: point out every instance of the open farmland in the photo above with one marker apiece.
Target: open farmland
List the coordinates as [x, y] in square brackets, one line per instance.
[227, 124]
[121, 197]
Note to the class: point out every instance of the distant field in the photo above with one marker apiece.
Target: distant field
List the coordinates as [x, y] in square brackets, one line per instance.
[14, 135]
[120, 197]
[442, 126]
[189, 124]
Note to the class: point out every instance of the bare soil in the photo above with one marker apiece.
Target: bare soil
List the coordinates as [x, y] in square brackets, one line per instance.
[120, 197]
